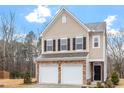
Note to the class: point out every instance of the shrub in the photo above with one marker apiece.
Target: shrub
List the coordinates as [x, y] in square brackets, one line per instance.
[16, 75]
[83, 86]
[21, 75]
[27, 78]
[108, 83]
[115, 78]
[89, 82]
[99, 85]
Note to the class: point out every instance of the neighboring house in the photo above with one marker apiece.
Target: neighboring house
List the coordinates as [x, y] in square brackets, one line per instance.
[72, 52]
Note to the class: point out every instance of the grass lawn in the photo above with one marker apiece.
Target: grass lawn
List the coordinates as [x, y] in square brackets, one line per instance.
[121, 84]
[18, 83]
[13, 83]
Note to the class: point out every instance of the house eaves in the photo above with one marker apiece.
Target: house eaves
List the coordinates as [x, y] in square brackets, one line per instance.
[63, 9]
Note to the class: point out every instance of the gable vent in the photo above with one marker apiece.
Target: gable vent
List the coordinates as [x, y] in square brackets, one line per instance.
[64, 19]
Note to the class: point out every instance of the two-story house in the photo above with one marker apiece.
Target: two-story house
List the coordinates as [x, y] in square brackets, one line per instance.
[72, 52]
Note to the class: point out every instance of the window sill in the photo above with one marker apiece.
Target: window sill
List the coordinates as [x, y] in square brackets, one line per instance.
[96, 47]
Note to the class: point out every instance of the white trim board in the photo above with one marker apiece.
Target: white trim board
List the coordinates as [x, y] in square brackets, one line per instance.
[61, 59]
[96, 36]
[53, 19]
[90, 60]
[100, 72]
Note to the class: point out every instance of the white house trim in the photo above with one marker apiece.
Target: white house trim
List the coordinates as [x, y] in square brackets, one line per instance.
[72, 51]
[100, 72]
[61, 44]
[91, 60]
[105, 55]
[61, 59]
[52, 45]
[83, 25]
[53, 19]
[95, 36]
[76, 45]
[79, 37]
[49, 39]
[88, 73]
[64, 38]
[64, 19]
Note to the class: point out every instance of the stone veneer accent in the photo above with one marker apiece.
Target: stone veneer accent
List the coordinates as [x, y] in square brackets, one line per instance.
[82, 62]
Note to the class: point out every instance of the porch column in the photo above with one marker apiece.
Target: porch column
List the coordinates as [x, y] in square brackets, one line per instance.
[91, 70]
[59, 73]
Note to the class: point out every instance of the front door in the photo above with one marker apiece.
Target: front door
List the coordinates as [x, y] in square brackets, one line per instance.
[97, 72]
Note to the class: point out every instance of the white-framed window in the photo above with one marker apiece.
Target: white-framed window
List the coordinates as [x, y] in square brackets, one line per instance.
[63, 19]
[63, 44]
[96, 42]
[49, 45]
[79, 43]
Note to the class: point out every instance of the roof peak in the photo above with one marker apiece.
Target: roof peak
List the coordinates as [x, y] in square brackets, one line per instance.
[96, 22]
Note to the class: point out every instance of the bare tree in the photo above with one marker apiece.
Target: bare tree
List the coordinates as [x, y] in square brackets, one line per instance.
[15, 55]
[7, 30]
[115, 50]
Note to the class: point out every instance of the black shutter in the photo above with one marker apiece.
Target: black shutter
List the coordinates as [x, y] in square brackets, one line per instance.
[44, 45]
[73, 43]
[54, 45]
[84, 42]
[68, 44]
[58, 44]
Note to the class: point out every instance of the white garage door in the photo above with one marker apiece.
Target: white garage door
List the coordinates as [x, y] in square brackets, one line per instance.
[72, 74]
[48, 73]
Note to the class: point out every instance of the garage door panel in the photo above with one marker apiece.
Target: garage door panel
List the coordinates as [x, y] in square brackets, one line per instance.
[48, 73]
[72, 74]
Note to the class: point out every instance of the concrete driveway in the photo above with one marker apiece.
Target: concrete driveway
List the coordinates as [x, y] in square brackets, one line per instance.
[51, 86]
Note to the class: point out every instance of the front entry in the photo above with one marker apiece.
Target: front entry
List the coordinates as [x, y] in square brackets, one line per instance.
[97, 72]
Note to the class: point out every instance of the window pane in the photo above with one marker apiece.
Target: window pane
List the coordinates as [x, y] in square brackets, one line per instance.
[95, 39]
[63, 44]
[79, 46]
[63, 41]
[96, 44]
[79, 40]
[49, 43]
[49, 48]
[63, 47]
[79, 43]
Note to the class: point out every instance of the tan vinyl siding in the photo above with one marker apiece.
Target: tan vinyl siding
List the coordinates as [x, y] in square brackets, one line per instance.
[96, 53]
[70, 29]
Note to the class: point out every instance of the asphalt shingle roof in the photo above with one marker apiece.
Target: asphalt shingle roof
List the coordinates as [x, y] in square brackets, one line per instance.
[61, 55]
[97, 27]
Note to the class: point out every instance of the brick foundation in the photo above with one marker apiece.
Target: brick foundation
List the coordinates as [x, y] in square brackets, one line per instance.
[83, 63]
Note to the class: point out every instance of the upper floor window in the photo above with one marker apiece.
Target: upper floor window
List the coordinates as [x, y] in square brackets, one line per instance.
[96, 41]
[63, 19]
[78, 43]
[49, 45]
[63, 44]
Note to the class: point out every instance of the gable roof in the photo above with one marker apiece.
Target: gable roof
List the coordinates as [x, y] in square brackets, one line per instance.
[63, 9]
[97, 27]
[91, 27]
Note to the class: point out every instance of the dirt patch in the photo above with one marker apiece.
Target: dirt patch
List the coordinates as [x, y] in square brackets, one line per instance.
[13, 83]
[121, 84]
